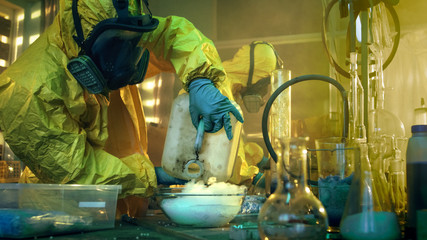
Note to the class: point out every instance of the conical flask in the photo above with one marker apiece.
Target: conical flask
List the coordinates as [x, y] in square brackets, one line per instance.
[292, 211]
[368, 214]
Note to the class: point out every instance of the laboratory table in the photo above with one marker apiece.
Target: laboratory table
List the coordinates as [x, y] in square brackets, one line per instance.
[154, 226]
[158, 226]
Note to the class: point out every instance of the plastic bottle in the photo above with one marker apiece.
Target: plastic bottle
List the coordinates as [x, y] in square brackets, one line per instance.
[416, 175]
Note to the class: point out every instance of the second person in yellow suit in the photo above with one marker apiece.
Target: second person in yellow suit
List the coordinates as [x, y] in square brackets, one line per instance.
[248, 83]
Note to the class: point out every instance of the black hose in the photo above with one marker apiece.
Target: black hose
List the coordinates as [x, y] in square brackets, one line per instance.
[294, 81]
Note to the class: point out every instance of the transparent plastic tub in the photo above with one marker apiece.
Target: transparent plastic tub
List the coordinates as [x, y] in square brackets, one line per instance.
[32, 210]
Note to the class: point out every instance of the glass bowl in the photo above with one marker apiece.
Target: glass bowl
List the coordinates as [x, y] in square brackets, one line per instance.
[199, 209]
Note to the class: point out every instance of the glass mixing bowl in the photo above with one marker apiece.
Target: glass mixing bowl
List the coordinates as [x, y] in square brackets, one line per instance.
[199, 209]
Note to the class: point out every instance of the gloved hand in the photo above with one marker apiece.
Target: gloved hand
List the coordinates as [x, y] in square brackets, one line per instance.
[206, 101]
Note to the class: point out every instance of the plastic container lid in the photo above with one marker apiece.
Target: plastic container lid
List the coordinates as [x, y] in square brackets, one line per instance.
[418, 128]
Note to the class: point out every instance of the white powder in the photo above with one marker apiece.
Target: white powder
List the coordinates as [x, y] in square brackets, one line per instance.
[212, 187]
[205, 211]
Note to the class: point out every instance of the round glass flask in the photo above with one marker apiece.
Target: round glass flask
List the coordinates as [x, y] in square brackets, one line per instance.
[292, 211]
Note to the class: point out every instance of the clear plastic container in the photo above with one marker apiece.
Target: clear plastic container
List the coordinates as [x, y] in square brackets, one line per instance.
[217, 153]
[32, 210]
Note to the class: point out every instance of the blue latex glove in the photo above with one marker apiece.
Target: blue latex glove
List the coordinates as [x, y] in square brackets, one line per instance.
[206, 101]
[165, 179]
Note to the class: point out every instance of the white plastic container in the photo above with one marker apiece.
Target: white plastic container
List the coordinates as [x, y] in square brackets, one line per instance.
[217, 154]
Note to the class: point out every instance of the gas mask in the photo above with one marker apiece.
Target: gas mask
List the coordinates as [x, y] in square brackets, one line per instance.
[253, 95]
[110, 57]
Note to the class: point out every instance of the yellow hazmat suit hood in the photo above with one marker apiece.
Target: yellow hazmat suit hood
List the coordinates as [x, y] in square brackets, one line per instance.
[265, 61]
[64, 134]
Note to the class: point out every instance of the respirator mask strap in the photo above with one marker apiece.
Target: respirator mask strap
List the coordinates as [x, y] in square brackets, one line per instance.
[254, 93]
[251, 99]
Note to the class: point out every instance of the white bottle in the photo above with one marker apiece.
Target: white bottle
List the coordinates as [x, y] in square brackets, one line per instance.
[217, 153]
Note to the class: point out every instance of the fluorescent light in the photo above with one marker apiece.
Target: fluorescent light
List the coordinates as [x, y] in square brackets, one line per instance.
[34, 38]
[152, 119]
[4, 39]
[19, 41]
[35, 14]
[149, 103]
[148, 85]
[358, 29]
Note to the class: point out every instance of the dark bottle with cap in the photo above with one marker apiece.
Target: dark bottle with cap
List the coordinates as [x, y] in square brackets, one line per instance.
[416, 167]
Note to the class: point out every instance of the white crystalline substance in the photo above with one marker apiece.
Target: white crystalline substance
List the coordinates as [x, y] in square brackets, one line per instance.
[205, 211]
[212, 187]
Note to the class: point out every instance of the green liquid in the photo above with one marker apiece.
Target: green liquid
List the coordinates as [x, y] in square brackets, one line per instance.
[370, 226]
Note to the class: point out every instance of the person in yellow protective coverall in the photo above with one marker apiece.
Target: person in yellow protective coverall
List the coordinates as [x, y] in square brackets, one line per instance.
[248, 84]
[70, 133]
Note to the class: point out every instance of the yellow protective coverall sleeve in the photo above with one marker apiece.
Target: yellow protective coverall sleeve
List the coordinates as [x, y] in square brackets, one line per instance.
[61, 132]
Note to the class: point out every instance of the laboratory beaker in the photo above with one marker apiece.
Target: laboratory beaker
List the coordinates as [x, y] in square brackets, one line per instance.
[364, 215]
[335, 164]
[280, 114]
[292, 211]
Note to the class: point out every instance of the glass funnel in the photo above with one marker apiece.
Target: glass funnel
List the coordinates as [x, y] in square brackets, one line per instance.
[292, 211]
[368, 213]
